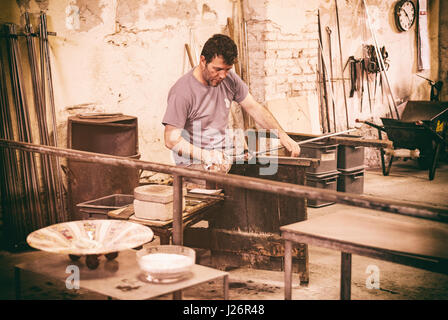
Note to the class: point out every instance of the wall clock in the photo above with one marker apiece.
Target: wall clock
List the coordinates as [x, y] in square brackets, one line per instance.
[404, 14]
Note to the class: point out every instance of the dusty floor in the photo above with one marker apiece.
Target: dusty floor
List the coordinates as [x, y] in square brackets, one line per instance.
[405, 182]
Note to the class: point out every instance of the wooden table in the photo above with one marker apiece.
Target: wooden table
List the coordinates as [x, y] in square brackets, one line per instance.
[119, 279]
[197, 208]
[403, 242]
[246, 229]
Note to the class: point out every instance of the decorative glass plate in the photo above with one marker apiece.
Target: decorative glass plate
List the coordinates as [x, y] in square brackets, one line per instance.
[90, 237]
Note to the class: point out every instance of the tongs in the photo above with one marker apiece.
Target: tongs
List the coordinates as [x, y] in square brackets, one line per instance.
[255, 154]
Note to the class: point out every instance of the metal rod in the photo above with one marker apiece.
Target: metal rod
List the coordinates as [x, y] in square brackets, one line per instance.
[25, 34]
[346, 276]
[246, 53]
[380, 59]
[319, 86]
[342, 68]
[190, 58]
[305, 141]
[325, 67]
[331, 76]
[288, 269]
[437, 213]
[177, 210]
[324, 78]
[39, 105]
[28, 173]
[63, 215]
[12, 206]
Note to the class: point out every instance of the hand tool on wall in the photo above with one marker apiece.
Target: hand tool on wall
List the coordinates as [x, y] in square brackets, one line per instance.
[190, 58]
[353, 76]
[331, 75]
[324, 79]
[361, 72]
[319, 88]
[436, 87]
[380, 58]
[366, 74]
[325, 67]
[340, 57]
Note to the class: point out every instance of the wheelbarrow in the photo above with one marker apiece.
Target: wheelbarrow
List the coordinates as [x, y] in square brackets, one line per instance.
[421, 132]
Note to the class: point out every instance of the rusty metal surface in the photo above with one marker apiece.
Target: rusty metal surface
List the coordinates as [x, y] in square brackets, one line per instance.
[115, 135]
[425, 110]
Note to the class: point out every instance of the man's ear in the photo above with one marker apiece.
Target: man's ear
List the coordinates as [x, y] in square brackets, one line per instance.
[202, 61]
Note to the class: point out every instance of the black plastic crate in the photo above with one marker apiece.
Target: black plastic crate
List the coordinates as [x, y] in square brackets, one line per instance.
[326, 180]
[350, 157]
[351, 181]
[99, 208]
[326, 153]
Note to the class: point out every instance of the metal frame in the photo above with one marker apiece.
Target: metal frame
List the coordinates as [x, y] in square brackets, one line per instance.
[393, 206]
[347, 249]
[436, 213]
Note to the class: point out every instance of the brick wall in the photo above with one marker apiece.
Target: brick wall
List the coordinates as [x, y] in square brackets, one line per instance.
[282, 64]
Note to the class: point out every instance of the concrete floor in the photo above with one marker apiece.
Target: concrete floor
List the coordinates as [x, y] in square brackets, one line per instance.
[397, 282]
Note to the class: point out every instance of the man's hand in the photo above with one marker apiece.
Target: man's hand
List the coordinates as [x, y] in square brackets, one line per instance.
[290, 145]
[216, 161]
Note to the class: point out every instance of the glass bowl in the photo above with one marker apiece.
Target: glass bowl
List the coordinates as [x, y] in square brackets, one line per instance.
[166, 263]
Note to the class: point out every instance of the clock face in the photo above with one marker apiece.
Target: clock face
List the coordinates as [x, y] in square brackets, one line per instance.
[405, 15]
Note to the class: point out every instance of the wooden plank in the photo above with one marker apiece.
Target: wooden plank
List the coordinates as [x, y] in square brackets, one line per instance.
[292, 209]
[189, 214]
[268, 244]
[261, 207]
[233, 213]
[284, 160]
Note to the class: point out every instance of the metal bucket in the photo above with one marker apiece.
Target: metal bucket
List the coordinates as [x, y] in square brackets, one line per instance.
[110, 135]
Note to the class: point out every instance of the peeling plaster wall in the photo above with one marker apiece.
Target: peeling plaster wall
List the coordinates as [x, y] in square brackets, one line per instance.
[124, 55]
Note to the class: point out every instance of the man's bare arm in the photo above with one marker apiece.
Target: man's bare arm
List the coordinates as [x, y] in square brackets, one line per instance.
[266, 120]
[175, 142]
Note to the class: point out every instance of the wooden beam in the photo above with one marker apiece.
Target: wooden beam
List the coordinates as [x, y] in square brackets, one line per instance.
[267, 244]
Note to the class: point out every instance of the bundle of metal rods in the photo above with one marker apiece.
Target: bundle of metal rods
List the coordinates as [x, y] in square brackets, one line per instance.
[33, 192]
[10, 187]
[57, 185]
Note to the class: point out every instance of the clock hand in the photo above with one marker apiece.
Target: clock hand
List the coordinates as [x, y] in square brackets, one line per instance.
[406, 13]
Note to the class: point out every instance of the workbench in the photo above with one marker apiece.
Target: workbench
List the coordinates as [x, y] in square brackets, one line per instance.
[404, 242]
[245, 230]
[120, 278]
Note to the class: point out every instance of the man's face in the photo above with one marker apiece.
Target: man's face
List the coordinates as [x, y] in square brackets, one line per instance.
[215, 71]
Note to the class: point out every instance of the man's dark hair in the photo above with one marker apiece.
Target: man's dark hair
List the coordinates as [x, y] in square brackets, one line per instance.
[220, 45]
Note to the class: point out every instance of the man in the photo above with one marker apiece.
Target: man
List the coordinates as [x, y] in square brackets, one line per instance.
[198, 107]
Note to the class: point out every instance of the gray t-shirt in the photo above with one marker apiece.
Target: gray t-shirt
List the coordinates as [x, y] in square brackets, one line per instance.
[203, 111]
